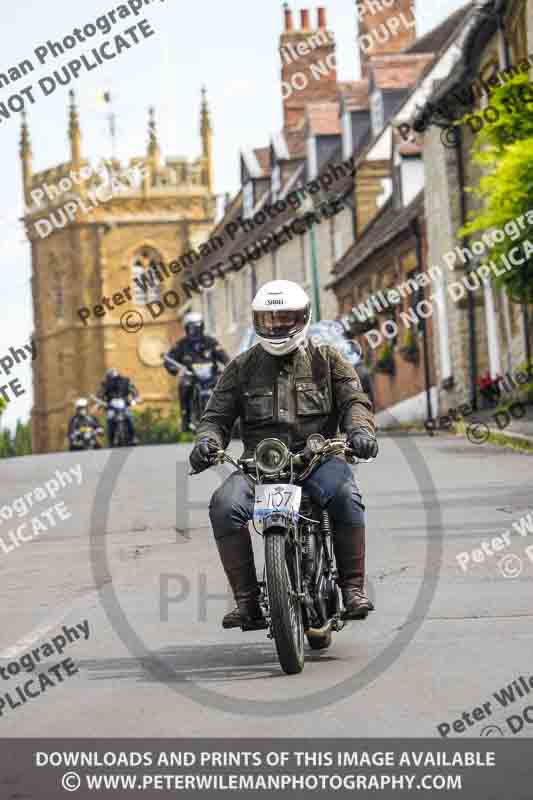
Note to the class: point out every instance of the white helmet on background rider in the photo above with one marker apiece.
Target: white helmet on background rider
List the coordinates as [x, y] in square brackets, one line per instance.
[81, 406]
[281, 315]
[194, 324]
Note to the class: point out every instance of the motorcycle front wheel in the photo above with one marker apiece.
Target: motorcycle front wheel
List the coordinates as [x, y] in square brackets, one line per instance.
[285, 607]
[196, 408]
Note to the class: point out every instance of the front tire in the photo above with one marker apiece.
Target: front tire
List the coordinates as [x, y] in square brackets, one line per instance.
[285, 610]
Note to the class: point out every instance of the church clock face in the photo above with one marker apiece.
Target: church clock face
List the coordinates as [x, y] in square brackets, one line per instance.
[150, 348]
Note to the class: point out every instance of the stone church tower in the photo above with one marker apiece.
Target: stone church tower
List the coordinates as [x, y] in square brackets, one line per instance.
[92, 233]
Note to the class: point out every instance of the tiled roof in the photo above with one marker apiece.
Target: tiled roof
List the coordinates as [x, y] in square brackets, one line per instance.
[436, 39]
[323, 119]
[385, 226]
[398, 71]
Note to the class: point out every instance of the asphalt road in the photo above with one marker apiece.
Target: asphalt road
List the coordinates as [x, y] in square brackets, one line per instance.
[157, 662]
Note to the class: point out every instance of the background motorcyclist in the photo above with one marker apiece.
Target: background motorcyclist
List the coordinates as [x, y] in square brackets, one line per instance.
[287, 387]
[194, 348]
[82, 419]
[116, 386]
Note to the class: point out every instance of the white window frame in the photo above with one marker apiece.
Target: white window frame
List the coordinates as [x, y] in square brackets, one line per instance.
[276, 181]
[248, 199]
[377, 111]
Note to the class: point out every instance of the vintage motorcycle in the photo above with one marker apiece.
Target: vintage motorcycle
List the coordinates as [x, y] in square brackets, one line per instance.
[299, 592]
[85, 438]
[117, 409]
[204, 378]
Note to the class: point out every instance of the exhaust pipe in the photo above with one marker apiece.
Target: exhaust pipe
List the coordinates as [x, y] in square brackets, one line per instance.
[318, 633]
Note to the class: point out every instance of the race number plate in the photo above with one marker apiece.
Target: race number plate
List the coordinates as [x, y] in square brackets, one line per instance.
[276, 500]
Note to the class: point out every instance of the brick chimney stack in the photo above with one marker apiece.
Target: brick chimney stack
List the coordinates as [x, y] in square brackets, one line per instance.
[288, 19]
[304, 19]
[384, 29]
[308, 68]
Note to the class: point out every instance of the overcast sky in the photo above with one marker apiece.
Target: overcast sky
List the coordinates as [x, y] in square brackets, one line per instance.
[229, 46]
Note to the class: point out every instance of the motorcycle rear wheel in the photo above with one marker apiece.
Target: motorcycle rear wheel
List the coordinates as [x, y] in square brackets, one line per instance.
[285, 609]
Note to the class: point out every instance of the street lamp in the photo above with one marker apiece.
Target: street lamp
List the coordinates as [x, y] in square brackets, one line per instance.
[306, 208]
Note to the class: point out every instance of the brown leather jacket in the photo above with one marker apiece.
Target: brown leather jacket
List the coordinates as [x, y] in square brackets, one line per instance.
[313, 390]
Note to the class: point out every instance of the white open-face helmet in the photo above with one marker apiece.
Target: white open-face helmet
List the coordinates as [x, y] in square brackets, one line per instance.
[282, 315]
[193, 323]
[81, 405]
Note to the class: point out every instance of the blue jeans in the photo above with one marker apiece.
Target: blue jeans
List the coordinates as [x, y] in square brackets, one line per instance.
[332, 486]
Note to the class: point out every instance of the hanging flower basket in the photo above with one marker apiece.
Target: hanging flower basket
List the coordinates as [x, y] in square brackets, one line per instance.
[490, 389]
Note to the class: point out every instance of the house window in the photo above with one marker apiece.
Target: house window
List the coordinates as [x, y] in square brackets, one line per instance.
[145, 280]
[377, 111]
[276, 181]
[248, 199]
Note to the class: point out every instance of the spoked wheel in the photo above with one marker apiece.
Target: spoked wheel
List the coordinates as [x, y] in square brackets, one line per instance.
[285, 608]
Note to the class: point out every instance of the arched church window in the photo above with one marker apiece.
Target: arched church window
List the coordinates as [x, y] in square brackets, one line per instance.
[146, 276]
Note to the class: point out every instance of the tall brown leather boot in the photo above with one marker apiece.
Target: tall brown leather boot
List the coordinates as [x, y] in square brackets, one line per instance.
[237, 556]
[349, 546]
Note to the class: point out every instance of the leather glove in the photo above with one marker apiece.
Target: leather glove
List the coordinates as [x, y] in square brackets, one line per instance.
[203, 454]
[363, 443]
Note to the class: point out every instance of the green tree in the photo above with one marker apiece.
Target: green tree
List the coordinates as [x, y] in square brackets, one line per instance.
[504, 150]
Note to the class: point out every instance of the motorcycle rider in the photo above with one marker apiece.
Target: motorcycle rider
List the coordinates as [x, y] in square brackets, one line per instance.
[82, 419]
[287, 387]
[116, 386]
[194, 348]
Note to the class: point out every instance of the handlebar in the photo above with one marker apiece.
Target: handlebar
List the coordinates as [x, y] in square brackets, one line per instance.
[180, 367]
[331, 448]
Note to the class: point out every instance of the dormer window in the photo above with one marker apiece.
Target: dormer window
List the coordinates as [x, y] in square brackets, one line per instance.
[248, 199]
[276, 181]
[377, 111]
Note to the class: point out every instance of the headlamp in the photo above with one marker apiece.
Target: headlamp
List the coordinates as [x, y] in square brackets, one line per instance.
[271, 456]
